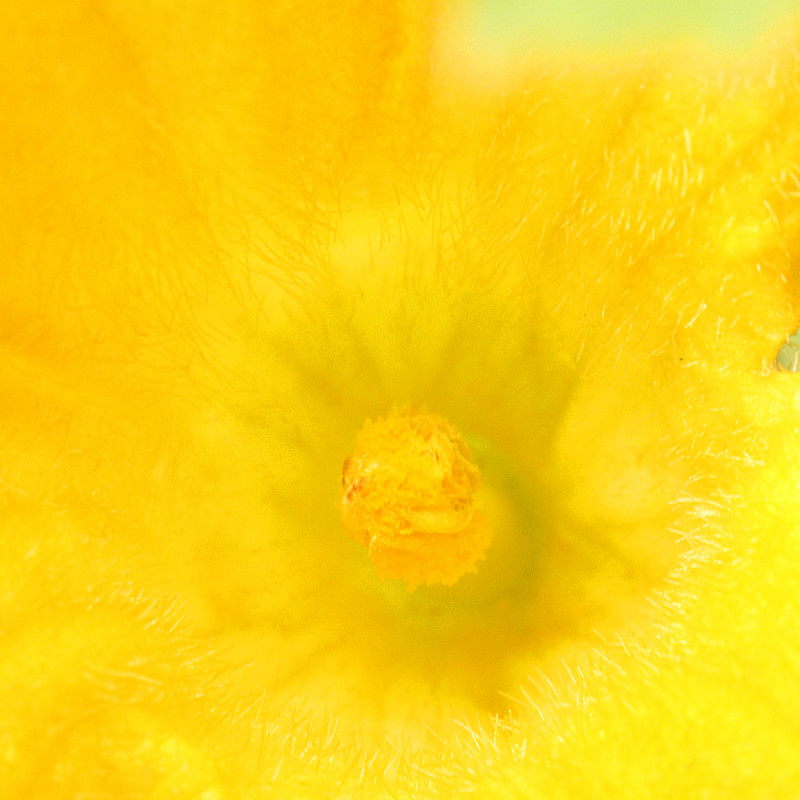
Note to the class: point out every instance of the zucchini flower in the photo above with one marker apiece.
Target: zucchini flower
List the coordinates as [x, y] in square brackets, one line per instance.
[383, 419]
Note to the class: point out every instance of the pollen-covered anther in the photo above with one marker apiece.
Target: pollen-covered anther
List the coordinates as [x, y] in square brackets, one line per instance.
[408, 497]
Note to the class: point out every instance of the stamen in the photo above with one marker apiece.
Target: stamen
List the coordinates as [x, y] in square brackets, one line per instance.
[408, 492]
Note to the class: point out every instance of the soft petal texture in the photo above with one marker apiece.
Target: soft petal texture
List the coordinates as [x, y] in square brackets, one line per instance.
[231, 233]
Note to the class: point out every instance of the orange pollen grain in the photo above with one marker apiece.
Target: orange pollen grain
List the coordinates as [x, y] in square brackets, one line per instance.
[408, 493]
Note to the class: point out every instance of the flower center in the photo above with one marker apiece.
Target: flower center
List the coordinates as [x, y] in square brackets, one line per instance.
[408, 497]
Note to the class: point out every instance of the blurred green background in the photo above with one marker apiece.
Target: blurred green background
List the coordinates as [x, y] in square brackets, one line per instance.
[614, 23]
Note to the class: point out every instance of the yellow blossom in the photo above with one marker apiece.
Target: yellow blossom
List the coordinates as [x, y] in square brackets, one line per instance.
[245, 244]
